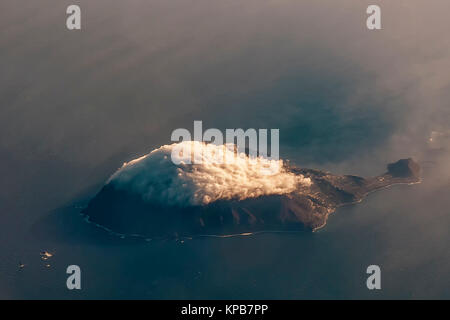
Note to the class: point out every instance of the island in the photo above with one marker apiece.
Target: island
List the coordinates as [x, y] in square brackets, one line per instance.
[307, 208]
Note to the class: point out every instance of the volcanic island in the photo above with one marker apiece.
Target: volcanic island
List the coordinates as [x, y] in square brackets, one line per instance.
[306, 208]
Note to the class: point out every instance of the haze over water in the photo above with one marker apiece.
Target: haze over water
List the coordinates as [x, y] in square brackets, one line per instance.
[75, 105]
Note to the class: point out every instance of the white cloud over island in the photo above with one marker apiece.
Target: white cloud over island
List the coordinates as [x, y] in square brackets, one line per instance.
[157, 179]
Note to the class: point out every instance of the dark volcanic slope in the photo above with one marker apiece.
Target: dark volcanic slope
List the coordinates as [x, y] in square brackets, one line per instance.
[309, 208]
